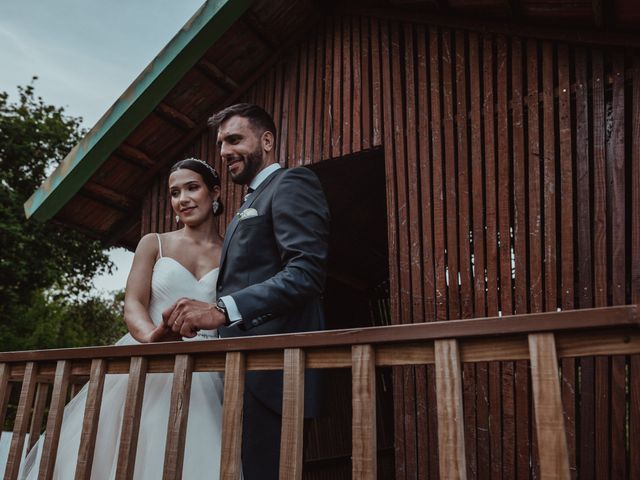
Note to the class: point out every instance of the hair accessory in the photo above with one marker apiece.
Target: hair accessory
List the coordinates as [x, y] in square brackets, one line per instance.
[211, 169]
[216, 206]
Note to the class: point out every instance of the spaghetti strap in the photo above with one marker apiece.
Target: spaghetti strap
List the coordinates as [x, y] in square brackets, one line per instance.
[159, 244]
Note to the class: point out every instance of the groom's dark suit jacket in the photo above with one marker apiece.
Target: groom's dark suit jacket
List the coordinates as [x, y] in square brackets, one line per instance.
[273, 264]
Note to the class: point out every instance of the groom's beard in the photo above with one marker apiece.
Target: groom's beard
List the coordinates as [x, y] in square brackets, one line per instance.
[252, 165]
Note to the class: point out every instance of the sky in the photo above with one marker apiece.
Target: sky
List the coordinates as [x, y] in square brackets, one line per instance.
[85, 54]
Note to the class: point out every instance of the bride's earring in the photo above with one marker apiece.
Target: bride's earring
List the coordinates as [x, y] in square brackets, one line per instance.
[216, 206]
[177, 219]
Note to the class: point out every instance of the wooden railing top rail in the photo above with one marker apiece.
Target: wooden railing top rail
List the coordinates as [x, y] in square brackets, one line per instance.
[564, 321]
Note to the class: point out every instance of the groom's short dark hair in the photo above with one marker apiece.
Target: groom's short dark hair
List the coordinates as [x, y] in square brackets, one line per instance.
[257, 116]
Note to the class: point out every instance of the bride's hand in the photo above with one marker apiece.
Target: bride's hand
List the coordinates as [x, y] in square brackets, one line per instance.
[188, 316]
[161, 333]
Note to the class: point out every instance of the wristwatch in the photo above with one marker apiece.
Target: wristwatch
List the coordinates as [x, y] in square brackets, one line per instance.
[222, 308]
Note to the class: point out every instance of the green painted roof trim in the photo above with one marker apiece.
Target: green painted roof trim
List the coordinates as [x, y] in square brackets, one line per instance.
[210, 22]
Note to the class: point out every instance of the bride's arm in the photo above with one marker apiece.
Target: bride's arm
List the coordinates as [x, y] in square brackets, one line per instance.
[138, 292]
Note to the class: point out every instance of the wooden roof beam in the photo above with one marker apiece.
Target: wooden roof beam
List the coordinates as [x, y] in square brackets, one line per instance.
[215, 74]
[108, 196]
[134, 155]
[175, 116]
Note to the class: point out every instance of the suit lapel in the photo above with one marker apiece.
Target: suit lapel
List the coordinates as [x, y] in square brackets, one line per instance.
[231, 228]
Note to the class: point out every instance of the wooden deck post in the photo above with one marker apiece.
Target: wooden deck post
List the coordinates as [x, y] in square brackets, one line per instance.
[131, 419]
[91, 419]
[54, 422]
[552, 439]
[451, 449]
[292, 415]
[231, 443]
[364, 458]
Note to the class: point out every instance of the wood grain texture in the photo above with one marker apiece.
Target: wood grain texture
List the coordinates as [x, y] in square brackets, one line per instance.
[5, 390]
[21, 423]
[292, 415]
[131, 419]
[451, 444]
[231, 440]
[550, 429]
[363, 397]
[39, 405]
[54, 422]
[178, 417]
[90, 421]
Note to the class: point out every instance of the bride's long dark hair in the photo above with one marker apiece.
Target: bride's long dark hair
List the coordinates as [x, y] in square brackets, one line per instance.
[206, 171]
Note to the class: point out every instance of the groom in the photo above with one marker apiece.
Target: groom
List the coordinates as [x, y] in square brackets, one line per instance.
[272, 271]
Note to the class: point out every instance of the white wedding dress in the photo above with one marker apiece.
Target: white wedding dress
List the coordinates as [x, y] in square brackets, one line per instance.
[170, 281]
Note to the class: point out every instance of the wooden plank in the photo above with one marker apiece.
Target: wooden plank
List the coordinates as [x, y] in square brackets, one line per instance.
[599, 227]
[535, 212]
[5, 390]
[178, 417]
[309, 128]
[301, 99]
[346, 108]
[54, 422]
[376, 83]
[336, 104]
[450, 176]
[231, 440]
[291, 77]
[616, 163]
[316, 153]
[363, 397]
[21, 422]
[549, 183]
[634, 368]
[37, 416]
[328, 90]
[355, 108]
[365, 102]
[131, 419]
[90, 421]
[451, 443]
[552, 442]
[439, 220]
[292, 415]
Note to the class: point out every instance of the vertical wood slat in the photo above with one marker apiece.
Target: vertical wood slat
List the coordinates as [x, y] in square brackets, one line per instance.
[40, 403]
[131, 419]
[178, 417]
[451, 444]
[91, 418]
[231, 440]
[552, 440]
[364, 458]
[292, 415]
[5, 390]
[54, 422]
[21, 423]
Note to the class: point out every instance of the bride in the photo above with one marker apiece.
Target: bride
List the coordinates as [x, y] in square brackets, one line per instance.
[166, 267]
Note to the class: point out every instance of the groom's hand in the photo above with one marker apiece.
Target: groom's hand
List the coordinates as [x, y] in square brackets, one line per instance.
[188, 316]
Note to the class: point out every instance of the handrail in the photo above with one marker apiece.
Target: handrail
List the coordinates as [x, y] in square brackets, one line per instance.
[540, 338]
[562, 321]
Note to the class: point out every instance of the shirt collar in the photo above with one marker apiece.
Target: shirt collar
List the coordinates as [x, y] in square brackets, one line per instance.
[263, 174]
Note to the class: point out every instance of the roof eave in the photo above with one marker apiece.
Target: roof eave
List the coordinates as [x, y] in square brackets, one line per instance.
[208, 24]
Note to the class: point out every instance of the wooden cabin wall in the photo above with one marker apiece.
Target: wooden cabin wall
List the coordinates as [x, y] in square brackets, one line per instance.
[513, 184]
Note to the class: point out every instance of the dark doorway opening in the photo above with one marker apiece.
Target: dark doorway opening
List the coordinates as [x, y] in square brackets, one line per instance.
[356, 295]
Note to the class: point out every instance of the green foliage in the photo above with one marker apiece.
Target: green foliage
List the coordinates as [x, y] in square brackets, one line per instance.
[46, 270]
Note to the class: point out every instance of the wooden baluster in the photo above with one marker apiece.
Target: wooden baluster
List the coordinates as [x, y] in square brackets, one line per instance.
[42, 391]
[552, 439]
[54, 422]
[292, 415]
[231, 443]
[131, 419]
[178, 417]
[21, 422]
[5, 390]
[451, 449]
[91, 418]
[363, 374]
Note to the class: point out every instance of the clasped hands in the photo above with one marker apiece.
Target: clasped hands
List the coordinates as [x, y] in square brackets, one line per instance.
[186, 317]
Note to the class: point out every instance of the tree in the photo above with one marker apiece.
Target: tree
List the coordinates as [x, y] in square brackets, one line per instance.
[46, 270]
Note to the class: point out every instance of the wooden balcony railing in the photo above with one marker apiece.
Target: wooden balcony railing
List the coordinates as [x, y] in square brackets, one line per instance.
[540, 338]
